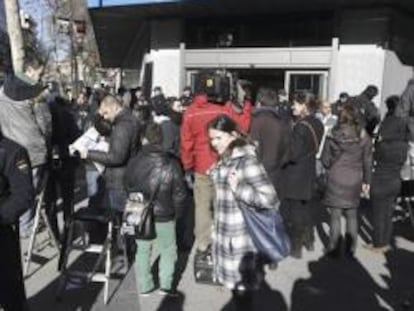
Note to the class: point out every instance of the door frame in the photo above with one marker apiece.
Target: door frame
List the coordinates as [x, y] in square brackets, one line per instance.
[323, 73]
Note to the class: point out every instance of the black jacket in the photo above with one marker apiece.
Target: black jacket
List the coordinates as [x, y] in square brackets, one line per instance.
[392, 145]
[16, 174]
[406, 108]
[368, 113]
[299, 173]
[124, 143]
[272, 134]
[153, 167]
[390, 154]
[64, 128]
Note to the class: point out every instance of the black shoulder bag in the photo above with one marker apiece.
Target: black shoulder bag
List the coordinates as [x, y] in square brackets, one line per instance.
[139, 219]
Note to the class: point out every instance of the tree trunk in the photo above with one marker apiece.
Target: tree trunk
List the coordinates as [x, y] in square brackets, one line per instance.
[15, 34]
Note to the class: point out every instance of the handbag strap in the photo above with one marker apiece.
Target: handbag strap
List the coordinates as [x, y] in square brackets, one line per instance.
[315, 138]
[154, 193]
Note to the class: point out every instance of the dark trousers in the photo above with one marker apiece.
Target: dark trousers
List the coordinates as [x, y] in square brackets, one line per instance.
[382, 221]
[298, 221]
[12, 292]
[351, 235]
[385, 189]
[61, 183]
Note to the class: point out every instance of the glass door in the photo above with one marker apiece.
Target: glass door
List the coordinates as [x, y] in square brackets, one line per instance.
[313, 81]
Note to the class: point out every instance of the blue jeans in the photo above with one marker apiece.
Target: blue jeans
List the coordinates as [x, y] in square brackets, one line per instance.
[91, 182]
[117, 199]
[95, 188]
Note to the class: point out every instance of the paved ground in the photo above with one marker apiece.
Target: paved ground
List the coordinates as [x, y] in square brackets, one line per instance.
[370, 282]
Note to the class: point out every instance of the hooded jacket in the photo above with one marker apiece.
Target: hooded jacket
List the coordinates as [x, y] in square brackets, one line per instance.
[196, 153]
[348, 159]
[18, 119]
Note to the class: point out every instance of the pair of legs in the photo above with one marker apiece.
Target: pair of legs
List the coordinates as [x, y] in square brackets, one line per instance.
[203, 196]
[61, 182]
[12, 292]
[351, 235]
[165, 242]
[299, 224]
[383, 209]
[385, 189]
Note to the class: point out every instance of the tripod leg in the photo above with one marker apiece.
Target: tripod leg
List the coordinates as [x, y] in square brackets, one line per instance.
[52, 236]
[28, 257]
[411, 213]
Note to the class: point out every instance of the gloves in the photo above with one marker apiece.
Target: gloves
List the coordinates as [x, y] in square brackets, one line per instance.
[189, 178]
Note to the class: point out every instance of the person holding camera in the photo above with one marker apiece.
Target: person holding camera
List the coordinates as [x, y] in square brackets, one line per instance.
[62, 166]
[16, 197]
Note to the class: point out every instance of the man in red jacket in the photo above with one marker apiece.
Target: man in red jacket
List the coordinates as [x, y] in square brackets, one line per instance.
[197, 157]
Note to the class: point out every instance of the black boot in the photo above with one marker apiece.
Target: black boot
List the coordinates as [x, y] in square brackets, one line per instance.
[350, 246]
[296, 248]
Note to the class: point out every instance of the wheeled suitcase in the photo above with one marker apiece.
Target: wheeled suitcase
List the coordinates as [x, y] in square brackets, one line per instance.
[203, 269]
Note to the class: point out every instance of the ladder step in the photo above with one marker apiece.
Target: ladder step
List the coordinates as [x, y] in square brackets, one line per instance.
[92, 248]
[99, 277]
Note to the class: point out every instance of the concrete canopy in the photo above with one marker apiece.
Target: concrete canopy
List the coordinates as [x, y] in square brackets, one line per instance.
[123, 33]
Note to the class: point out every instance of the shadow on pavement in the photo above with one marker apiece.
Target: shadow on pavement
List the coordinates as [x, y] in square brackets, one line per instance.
[400, 292]
[340, 284]
[261, 296]
[77, 296]
[172, 303]
[264, 299]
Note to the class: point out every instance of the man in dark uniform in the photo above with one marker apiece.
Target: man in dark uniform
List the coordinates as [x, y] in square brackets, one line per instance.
[16, 197]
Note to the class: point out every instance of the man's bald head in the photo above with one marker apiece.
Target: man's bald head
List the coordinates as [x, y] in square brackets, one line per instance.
[110, 107]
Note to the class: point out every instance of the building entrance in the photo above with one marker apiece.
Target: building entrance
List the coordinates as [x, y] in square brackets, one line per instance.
[315, 81]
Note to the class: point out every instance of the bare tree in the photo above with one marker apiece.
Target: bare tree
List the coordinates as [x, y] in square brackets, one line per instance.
[15, 34]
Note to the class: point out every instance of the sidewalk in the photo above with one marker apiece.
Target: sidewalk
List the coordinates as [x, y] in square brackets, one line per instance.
[370, 282]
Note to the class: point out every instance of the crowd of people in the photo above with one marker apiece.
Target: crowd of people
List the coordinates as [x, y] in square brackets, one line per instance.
[196, 152]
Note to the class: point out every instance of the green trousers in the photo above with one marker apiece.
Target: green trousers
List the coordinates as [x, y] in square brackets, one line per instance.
[166, 245]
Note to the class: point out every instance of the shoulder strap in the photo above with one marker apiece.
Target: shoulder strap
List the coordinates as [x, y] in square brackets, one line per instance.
[315, 138]
[154, 193]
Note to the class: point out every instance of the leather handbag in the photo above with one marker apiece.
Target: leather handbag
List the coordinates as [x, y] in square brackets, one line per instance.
[138, 218]
[267, 231]
[145, 230]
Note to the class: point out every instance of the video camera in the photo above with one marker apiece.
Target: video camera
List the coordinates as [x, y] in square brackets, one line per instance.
[216, 84]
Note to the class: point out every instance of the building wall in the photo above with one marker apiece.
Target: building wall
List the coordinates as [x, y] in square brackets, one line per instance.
[358, 66]
[165, 55]
[166, 70]
[396, 76]
[353, 68]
